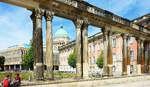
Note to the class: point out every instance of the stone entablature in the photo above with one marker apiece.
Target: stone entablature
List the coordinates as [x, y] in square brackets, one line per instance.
[143, 21]
[95, 15]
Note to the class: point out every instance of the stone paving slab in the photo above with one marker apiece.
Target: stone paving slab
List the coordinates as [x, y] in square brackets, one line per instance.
[87, 82]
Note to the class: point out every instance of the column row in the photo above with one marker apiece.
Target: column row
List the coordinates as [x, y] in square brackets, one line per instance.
[38, 43]
[81, 50]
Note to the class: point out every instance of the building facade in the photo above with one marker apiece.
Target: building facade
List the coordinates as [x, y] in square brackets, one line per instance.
[13, 57]
[95, 47]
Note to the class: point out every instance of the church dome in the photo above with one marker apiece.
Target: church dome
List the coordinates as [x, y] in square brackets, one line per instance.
[61, 33]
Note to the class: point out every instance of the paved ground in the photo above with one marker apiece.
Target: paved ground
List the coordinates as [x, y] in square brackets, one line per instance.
[133, 84]
[129, 84]
[135, 81]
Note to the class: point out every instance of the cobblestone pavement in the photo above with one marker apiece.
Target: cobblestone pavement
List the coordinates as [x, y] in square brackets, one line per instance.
[133, 84]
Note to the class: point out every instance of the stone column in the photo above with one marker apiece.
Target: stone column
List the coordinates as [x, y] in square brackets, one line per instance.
[124, 54]
[128, 58]
[79, 67]
[49, 44]
[85, 50]
[15, 67]
[142, 56]
[138, 56]
[128, 62]
[146, 60]
[109, 56]
[148, 56]
[5, 68]
[9, 67]
[20, 67]
[107, 41]
[32, 43]
[38, 44]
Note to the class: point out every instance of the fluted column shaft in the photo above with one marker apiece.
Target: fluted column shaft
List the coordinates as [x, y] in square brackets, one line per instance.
[146, 60]
[138, 56]
[149, 56]
[49, 43]
[85, 50]
[107, 41]
[38, 44]
[142, 56]
[109, 60]
[138, 51]
[79, 66]
[124, 54]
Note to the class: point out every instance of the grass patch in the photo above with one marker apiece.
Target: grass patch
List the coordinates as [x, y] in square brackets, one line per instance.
[23, 75]
[26, 75]
[64, 75]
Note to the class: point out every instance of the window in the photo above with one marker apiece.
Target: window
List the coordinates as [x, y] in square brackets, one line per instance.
[93, 47]
[114, 43]
[94, 61]
[132, 55]
[114, 57]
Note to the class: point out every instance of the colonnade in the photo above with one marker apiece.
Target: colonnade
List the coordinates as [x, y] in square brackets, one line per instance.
[82, 66]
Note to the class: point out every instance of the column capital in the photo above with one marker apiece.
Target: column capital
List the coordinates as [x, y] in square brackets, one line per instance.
[138, 39]
[110, 33]
[107, 30]
[49, 15]
[78, 23]
[86, 21]
[124, 36]
[38, 13]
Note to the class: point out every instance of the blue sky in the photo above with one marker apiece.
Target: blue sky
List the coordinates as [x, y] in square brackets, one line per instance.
[16, 25]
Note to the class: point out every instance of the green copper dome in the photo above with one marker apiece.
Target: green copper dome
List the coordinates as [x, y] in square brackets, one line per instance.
[61, 33]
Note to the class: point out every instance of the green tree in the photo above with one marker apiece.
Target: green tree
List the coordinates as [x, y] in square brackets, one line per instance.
[72, 59]
[2, 61]
[100, 61]
[28, 59]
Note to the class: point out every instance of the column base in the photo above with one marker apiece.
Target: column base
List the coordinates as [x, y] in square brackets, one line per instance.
[79, 74]
[145, 68]
[107, 71]
[148, 68]
[85, 71]
[128, 70]
[49, 73]
[39, 71]
[138, 69]
[142, 69]
[124, 73]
